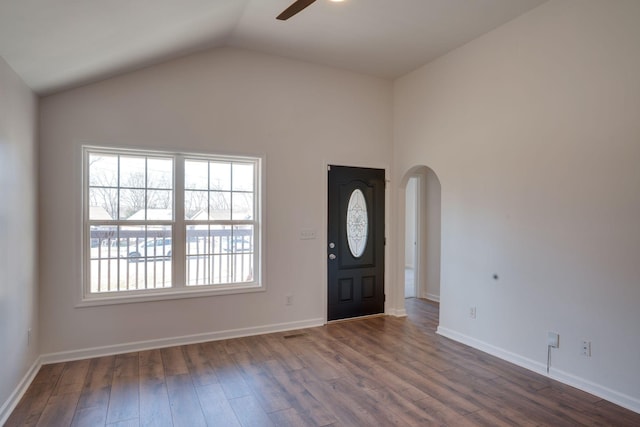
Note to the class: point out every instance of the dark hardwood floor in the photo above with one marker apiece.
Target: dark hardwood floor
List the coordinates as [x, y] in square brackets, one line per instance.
[380, 371]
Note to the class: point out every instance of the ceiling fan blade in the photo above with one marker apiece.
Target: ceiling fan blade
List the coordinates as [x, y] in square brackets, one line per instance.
[295, 8]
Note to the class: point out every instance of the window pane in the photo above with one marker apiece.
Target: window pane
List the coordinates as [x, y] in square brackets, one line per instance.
[241, 240]
[220, 176]
[103, 203]
[103, 170]
[242, 206]
[149, 258]
[132, 205]
[99, 237]
[196, 205]
[357, 223]
[198, 240]
[219, 205]
[207, 262]
[241, 247]
[132, 172]
[196, 175]
[136, 236]
[160, 173]
[137, 186]
[242, 177]
[130, 258]
[221, 255]
[159, 205]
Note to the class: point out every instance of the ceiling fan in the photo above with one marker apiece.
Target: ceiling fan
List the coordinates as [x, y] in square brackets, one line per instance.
[297, 7]
[294, 9]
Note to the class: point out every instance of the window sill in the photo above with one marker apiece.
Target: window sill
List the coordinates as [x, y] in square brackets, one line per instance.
[166, 294]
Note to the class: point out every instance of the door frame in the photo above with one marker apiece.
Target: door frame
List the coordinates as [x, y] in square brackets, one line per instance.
[417, 235]
[325, 240]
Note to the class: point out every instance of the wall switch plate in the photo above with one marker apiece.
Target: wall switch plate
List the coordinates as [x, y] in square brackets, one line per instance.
[307, 234]
[472, 312]
[289, 299]
[553, 339]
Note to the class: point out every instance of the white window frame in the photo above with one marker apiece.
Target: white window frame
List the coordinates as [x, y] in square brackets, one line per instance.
[179, 289]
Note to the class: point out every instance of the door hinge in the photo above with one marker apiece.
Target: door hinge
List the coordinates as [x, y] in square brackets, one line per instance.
[385, 241]
[384, 298]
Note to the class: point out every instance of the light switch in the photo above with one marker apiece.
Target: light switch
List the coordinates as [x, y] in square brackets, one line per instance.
[307, 234]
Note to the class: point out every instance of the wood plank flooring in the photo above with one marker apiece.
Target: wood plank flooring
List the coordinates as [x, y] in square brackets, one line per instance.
[380, 371]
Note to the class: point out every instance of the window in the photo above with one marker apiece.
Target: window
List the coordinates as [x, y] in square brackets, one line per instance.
[158, 223]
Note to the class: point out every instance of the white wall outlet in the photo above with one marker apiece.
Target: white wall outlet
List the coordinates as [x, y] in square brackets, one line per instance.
[288, 299]
[553, 339]
[472, 312]
[586, 348]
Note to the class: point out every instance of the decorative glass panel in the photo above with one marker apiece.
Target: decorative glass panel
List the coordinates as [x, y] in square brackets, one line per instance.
[357, 223]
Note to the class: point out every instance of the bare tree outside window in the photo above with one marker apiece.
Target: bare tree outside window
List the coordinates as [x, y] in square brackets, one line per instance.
[124, 185]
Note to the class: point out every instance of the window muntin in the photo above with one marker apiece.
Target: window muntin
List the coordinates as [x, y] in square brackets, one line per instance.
[137, 241]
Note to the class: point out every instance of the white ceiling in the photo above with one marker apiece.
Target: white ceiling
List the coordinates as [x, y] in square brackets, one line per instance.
[58, 44]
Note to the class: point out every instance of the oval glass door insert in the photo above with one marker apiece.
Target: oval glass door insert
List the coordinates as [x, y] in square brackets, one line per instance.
[357, 223]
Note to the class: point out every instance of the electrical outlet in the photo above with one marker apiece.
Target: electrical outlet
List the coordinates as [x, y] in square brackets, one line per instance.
[289, 299]
[586, 348]
[553, 339]
[472, 312]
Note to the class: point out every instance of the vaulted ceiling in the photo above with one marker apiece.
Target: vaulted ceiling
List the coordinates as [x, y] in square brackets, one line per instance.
[58, 44]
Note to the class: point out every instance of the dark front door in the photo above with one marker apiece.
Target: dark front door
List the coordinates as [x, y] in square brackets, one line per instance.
[356, 242]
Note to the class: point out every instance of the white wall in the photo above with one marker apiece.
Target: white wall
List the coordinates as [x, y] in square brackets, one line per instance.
[410, 224]
[431, 233]
[18, 233]
[534, 133]
[299, 115]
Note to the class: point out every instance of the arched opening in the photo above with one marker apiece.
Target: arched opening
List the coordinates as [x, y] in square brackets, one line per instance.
[420, 237]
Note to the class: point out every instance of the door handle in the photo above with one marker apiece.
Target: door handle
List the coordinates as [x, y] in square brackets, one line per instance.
[332, 256]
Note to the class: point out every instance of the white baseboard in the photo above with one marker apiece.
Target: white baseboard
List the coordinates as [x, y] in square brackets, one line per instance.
[397, 312]
[626, 401]
[66, 356]
[613, 396]
[13, 400]
[86, 353]
[433, 297]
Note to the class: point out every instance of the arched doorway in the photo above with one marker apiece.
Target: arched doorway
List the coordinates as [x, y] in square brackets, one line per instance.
[420, 238]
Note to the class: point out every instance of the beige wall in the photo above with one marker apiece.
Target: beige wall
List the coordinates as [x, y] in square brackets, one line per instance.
[18, 233]
[534, 133]
[300, 116]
